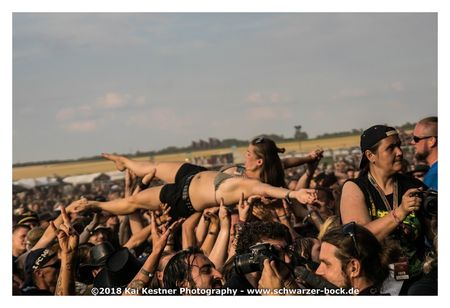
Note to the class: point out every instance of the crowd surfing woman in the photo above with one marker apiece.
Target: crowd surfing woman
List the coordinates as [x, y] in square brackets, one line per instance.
[192, 189]
[261, 162]
[385, 201]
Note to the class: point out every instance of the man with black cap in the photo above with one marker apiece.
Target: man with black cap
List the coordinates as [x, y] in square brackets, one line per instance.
[384, 201]
[41, 272]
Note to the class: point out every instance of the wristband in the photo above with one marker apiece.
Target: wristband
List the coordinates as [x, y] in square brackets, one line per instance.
[287, 198]
[146, 273]
[396, 219]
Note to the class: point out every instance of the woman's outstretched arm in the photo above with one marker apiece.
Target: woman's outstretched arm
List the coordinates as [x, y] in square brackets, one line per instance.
[303, 195]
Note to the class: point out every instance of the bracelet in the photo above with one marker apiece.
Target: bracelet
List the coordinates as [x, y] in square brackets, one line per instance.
[287, 198]
[146, 273]
[396, 219]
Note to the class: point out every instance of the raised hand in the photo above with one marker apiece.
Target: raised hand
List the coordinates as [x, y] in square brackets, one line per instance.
[78, 206]
[163, 214]
[130, 185]
[245, 208]
[159, 238]
[210, 211]
[66, 234]
[305, 195]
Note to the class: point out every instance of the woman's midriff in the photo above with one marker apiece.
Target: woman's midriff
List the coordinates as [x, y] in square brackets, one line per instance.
[201, 190]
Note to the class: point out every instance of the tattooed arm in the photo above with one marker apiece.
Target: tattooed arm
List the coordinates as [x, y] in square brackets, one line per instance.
[159, 241]
[68, 242]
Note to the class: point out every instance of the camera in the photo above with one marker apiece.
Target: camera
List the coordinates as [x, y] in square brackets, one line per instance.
[253, 261]
[429, 201]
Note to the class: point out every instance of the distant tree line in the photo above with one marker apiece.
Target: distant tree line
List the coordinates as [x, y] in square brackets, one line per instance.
[214, 143]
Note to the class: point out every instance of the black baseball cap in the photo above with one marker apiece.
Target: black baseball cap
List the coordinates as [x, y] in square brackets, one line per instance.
[372, 136]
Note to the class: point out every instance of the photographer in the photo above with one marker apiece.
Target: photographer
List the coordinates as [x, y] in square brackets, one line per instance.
[257, 242]
[386, 202]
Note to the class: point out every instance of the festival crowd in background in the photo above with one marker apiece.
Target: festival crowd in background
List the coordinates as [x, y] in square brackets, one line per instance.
[364, 223]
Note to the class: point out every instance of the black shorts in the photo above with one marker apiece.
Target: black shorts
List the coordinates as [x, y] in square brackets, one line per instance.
[176, 195]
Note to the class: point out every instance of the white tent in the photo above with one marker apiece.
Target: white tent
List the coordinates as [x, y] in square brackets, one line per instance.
[115, 175]
[26, 183]
[41, 181]
[82, 179]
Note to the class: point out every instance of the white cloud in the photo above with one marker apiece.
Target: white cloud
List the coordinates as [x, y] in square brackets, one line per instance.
[81, 126]
[269, 113]
[112, 100]
[266, 97]
[160, 118]
[350, 93]
[65, 114]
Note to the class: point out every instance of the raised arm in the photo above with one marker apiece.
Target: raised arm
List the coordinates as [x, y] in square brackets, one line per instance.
[188, 230]
[218, 254]
[49, 234]
[68, 242]
[213, 232]
[203, 224]
[297, 161]
[159, 240]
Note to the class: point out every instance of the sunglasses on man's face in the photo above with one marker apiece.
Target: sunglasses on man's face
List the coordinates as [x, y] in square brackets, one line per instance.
[417, 139]
[350, 230]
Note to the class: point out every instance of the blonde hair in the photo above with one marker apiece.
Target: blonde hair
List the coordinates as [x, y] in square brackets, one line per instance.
[329, 223]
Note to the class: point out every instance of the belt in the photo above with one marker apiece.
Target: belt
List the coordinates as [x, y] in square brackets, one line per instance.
[185, 195]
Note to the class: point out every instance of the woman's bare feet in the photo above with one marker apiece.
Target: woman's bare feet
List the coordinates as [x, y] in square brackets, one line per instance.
[116, 159]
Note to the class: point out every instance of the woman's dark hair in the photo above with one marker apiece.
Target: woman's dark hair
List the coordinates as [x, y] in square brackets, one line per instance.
[272, 172]
[179, 267]
[254, 232]
[362, 245]
[365, 169]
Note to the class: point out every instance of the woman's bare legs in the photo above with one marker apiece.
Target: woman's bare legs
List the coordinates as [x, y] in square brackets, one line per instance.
[147, 199]
[164, 171]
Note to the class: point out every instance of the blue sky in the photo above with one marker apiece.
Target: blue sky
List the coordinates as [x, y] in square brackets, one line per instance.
[86, 83]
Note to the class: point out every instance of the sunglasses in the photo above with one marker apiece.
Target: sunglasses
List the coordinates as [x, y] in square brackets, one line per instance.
[258, 140]
[417, 139]
[350, 230]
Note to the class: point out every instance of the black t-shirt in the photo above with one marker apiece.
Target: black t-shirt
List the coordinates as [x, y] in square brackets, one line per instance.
[409, 234]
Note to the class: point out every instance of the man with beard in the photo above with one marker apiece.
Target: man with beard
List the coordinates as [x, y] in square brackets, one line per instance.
[425, 143]
[352, 257]
[191, 269]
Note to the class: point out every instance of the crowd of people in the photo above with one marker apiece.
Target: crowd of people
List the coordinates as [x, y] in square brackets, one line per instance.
[271, 226]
